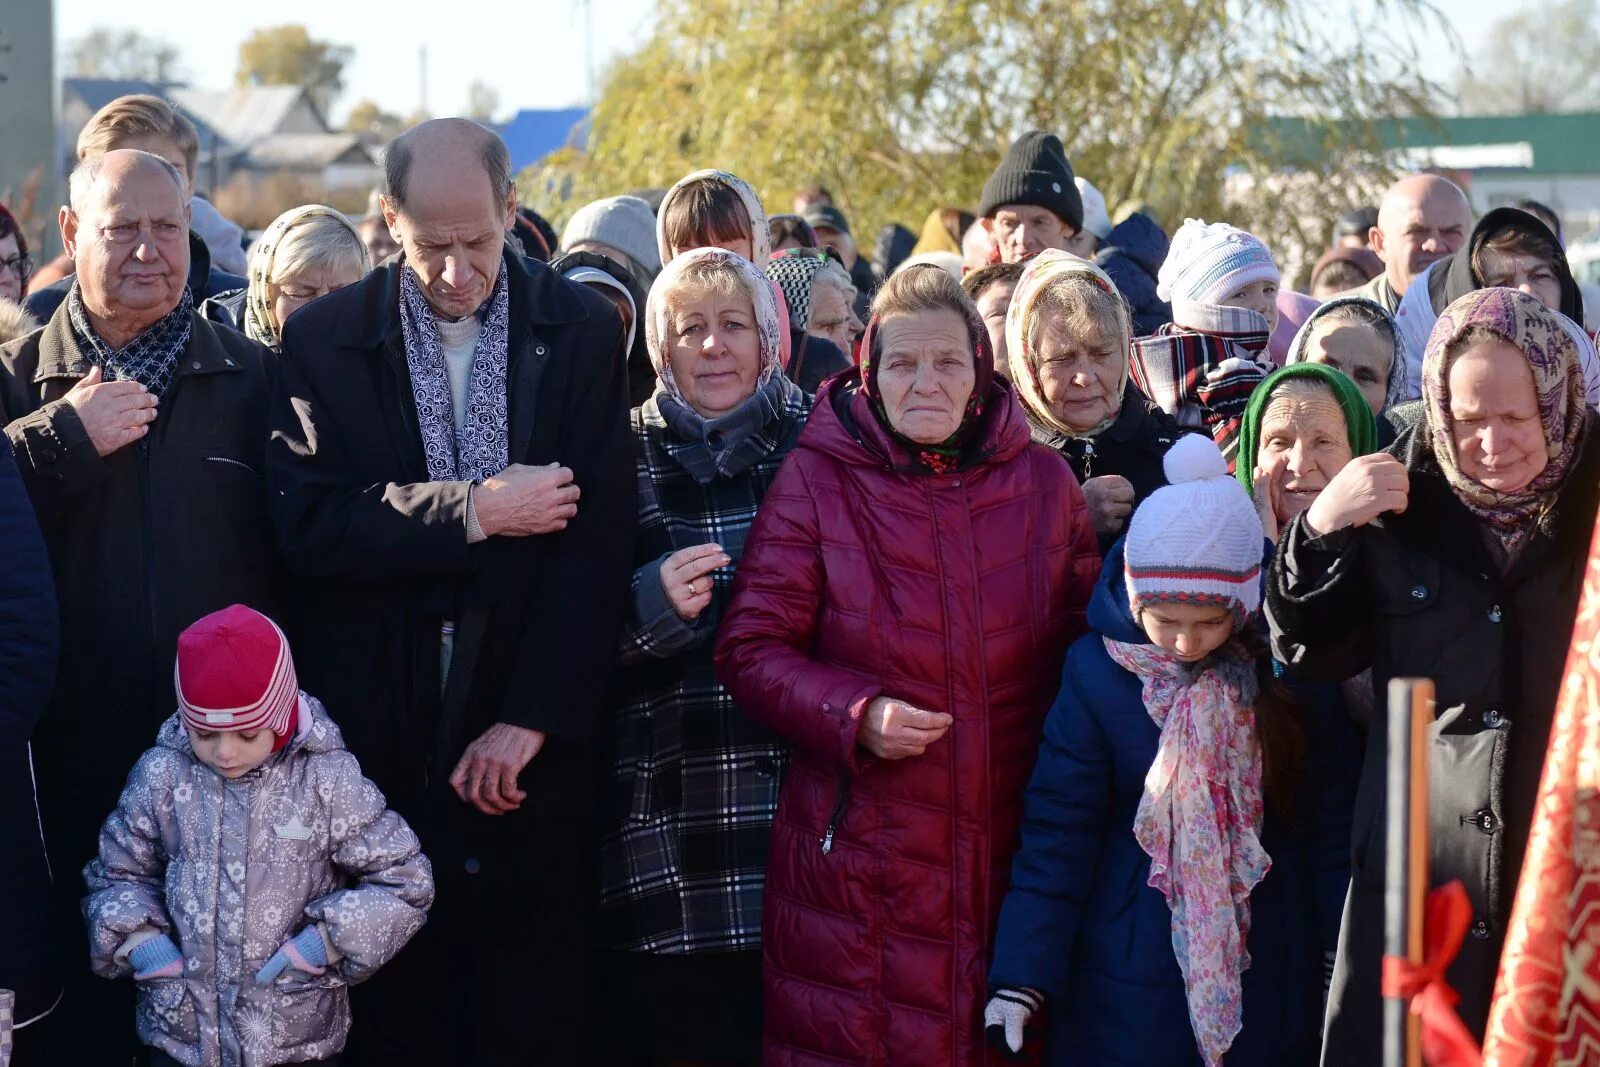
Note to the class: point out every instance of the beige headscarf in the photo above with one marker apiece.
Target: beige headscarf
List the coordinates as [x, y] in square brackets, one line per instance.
[1022, 358]
[259, 323]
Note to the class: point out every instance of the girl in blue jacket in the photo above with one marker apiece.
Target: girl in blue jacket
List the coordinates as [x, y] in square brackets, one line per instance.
[1184, 851]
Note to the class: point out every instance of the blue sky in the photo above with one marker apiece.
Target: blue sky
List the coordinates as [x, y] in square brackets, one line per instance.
[532, 52]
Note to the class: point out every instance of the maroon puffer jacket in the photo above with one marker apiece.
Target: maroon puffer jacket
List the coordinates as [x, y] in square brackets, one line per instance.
[957, 593]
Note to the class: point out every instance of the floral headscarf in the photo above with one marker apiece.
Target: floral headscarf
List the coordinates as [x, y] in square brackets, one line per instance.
[770, 324]
[259, 321]
[760, 232]
[1042, 271]
[951, 453]
[1524, 322]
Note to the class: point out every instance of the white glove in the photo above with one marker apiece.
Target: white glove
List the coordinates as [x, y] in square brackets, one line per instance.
[1006, 1017]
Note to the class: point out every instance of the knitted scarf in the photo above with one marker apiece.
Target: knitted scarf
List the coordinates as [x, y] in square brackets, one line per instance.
[1536, 331]
[151, 359]
[1042, 271]
[1200, 821]
[260, 322]
[483, 446]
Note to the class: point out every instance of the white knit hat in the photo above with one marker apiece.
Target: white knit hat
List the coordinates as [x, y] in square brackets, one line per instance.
[1207, 263]
[1197, 540]
[1095, 217]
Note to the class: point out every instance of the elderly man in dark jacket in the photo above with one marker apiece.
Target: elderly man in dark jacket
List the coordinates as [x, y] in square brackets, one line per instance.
[456, 600]
[140, 432]
[31, 952]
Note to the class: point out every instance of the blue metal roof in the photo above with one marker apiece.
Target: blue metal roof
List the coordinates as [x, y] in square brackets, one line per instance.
[533, 134]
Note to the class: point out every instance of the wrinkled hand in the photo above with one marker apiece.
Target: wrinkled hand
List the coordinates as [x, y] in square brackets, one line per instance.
[1110, 500]
[524, 501]
[486, 776]
[1005, 1018]
[686, 577]
[114, 414]
[1368, 487]
[1268, 481]
[893, 729]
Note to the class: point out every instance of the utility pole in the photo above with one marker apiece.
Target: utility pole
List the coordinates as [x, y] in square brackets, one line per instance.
[422, 79]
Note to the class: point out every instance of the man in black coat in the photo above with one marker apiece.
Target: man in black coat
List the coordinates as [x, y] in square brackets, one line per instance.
[452, 477]
[31, 948]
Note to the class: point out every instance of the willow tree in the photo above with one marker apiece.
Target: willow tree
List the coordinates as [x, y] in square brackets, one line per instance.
[900, 106]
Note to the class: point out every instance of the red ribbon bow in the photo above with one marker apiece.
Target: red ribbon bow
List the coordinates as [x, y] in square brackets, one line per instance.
[1446, 1042]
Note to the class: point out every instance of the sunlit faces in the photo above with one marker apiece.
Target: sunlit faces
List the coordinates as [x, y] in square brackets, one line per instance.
[1529, 273]
[296, 291]
[926, 373]
[1080, 375]
[1191, 632]
[1257, 296]
[716, 350]
[832, 315]
[1305, 441]
[231, 753]
[131, 241]
[1021, 230]
[1494, 412]
[452, 231]
[1422, 220]
[1356, 349]
[992, 305]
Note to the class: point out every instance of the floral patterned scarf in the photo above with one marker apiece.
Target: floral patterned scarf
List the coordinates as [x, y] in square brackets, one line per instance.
[260, 321]
[1041, 272]
[483, 447]
[1200, 822]
[951, 454]
[151, 359]
[1524, 322]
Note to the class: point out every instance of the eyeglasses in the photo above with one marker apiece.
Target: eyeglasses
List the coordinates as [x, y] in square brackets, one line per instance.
[21, 264]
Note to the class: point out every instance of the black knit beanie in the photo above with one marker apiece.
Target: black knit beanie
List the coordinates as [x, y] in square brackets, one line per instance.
[1035, 171]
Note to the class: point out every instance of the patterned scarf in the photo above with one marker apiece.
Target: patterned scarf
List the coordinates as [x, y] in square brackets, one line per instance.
[483, 446]
[260, 322]
[1524, 322]
[1174, 367]
[951, 454]
[1041, 272]
[151, 359]
[760, 232]
[771, 327]
[1200, 822]
[795, 271]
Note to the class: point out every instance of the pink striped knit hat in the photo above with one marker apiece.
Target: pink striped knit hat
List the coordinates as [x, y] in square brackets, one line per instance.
[235, 673]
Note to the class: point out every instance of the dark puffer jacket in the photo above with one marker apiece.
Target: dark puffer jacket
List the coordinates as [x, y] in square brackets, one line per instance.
[1082, 925]
[954, 592]
[1418, 595]
[1131, 255]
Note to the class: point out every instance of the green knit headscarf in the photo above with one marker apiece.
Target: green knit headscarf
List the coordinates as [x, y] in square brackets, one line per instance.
[1357, 414]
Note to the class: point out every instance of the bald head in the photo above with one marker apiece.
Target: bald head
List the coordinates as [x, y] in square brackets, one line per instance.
[114, 167]
[441, 152]
[1423, 218]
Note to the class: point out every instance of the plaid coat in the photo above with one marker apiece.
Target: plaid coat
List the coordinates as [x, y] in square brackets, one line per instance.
[691, 782]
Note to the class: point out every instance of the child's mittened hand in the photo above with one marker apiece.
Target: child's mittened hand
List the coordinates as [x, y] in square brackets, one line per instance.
[156, 957]
[1006, 1018]
[305, 951]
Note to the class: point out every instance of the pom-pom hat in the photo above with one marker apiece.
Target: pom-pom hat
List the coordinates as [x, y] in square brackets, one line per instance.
[1197, 540]
[235, 674]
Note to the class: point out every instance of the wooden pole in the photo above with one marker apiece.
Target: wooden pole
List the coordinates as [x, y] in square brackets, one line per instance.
[1406, 855]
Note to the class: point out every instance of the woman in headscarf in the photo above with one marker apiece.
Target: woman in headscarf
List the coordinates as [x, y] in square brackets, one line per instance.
[820, 295]
[306, 252]
[1355, 335]
[1508, 247]
[1067, 342]
[900, 617]
[692, 783]
[1458, 557]
[715, 209]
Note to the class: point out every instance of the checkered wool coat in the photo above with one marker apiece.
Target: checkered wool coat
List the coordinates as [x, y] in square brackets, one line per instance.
[691, 783]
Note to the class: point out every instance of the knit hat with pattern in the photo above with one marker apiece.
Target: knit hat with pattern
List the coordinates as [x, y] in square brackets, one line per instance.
[1197, 540]
[1208, 262]
[235, 673]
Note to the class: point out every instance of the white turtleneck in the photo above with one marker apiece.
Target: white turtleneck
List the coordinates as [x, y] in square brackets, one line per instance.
[459, 339]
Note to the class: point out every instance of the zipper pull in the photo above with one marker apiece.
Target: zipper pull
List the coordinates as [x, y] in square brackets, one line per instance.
[827, 840]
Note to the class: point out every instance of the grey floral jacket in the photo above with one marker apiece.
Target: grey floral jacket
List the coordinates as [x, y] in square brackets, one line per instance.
[229, 870]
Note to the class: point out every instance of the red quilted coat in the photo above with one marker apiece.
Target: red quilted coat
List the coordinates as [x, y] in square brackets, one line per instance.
[956, 593]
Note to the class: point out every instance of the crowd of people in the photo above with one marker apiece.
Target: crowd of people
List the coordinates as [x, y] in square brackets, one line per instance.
[687, 640]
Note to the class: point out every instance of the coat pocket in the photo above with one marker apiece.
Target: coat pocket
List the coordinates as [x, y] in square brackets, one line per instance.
[166, 1006]
[307, 1013]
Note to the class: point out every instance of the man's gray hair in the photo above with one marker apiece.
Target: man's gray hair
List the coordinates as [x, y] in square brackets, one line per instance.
[492, 155]
[85, 174]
